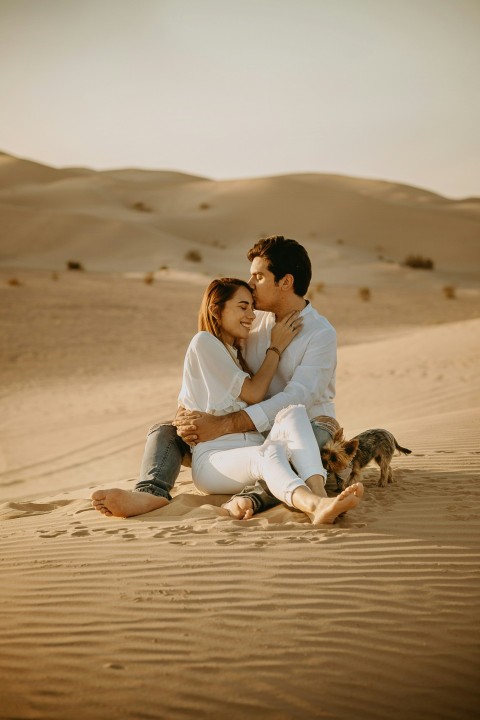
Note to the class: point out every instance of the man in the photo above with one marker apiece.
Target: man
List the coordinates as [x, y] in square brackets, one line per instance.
[280, 275]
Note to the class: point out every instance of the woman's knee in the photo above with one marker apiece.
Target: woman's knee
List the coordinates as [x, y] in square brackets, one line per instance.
[291, 413]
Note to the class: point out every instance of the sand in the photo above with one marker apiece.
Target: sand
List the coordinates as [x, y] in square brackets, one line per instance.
[185, 612]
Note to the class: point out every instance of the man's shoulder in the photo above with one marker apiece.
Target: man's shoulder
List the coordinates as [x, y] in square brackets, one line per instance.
[318, 323]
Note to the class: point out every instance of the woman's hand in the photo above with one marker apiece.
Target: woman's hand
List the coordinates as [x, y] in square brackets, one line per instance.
[284, 331]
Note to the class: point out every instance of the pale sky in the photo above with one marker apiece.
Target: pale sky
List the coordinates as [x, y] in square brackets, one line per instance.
[385, 89]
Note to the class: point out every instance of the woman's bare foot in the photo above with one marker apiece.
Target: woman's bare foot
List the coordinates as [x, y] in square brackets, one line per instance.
[328, 509]
[240, 508]
[125, 503]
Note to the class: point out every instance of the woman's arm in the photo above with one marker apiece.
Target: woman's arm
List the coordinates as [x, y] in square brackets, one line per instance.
[255, 388]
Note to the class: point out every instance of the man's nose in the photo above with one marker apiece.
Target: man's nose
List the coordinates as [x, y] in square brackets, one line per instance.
[251, 282]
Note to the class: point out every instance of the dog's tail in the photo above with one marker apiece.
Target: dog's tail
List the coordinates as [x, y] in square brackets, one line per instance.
[403, 450]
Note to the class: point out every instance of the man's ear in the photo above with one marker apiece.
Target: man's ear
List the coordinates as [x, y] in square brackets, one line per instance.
[287, 282]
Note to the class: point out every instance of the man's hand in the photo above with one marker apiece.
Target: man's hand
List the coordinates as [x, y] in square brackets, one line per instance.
[194, 426]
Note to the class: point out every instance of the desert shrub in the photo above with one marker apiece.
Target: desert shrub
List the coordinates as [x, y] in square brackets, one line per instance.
[319, 287]
[204, 206]
[14, 282]
[148, 278]
[163, 267]
[365, 294]
[193, 256]
[74, 265]
[339, 241]
[55, 276]
[450, 292]
[141, 207]
[418, 261]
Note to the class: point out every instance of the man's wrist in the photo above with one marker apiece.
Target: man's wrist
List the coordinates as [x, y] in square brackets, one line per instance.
[236, 422]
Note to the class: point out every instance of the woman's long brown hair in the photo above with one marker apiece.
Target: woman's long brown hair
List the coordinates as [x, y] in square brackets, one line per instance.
[214, 298]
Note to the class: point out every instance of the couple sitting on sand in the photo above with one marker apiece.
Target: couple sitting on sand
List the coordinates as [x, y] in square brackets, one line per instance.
[257, 378]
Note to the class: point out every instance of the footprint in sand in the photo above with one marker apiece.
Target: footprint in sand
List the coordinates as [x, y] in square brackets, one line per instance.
[80, 533]
[51, 533]
[162, 534]
[226, 541]
[114, 531]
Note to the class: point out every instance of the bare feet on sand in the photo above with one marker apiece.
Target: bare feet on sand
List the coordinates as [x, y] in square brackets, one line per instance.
[328, 509]
[320, 510]
[125, 503]
[240, 508]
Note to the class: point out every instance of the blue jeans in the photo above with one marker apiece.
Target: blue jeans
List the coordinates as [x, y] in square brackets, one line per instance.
[162, 458]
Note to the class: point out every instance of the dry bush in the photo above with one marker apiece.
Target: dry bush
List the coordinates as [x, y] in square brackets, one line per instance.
[320, 287]
[74, 265]
[365, 294]
[419, 262]
[14, 282]
[339, 241]
[141, 207]
[204, 206]
[163, 267]
[450, 292]
[55, 276]
[193, 256]
[148, 278]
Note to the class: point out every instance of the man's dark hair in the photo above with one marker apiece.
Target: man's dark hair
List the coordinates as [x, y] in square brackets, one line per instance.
[285, 257]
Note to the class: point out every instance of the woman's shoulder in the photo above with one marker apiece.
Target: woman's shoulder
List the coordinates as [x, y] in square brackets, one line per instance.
[204, 340]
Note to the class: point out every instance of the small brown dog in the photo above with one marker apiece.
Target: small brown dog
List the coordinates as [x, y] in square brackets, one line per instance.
[378, 445]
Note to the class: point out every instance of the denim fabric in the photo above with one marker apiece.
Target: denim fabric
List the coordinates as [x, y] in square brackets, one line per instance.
[161, 462]
[261, 497]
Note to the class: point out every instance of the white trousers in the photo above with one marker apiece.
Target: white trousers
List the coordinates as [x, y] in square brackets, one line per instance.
[226, 465]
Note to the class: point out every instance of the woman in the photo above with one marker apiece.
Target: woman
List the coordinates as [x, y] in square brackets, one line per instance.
[216, 380]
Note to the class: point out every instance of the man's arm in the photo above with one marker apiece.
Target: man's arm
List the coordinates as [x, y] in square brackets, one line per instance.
[310, 379]
[194, 426]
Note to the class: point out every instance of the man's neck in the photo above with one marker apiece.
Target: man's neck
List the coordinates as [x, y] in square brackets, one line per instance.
[295, 303]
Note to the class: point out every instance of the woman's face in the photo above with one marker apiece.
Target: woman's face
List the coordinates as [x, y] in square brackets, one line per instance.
[237, 316]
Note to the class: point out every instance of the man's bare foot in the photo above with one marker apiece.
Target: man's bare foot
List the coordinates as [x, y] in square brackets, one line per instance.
[329, 509]
[240, 508]
[125, 503]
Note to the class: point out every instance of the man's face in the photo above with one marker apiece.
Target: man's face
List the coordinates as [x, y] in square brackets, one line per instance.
[265, 292]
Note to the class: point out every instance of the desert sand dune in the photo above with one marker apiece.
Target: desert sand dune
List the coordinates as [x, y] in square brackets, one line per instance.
[185, 612]
[145, 216]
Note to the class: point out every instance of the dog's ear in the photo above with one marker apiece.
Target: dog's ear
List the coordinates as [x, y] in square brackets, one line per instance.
[338, 437]
[351, 447]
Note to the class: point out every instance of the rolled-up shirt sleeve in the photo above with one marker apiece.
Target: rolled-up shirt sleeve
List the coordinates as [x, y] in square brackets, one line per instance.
[310, 380]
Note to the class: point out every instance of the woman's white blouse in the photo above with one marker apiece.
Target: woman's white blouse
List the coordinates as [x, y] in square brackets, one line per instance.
[212, 380]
